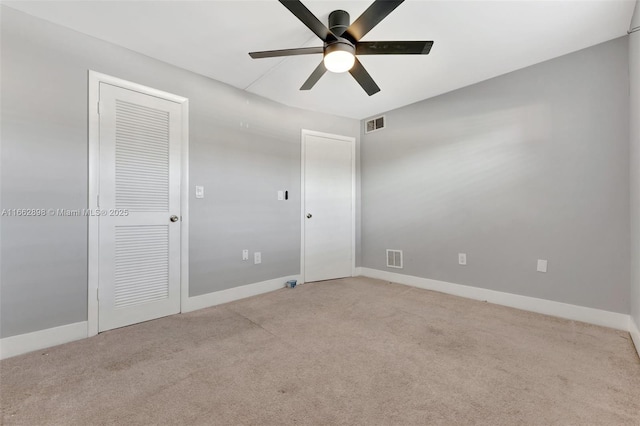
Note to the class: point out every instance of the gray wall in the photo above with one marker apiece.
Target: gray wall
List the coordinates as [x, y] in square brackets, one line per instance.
[44, 165]
[529, 165]
[634, 74]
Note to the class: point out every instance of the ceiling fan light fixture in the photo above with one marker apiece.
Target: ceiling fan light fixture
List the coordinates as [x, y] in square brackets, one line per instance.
[342, 39]
[339, 57]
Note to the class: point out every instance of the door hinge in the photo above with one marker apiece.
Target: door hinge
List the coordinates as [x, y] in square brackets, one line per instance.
[98, 200]
[98, 294]
[99, 107]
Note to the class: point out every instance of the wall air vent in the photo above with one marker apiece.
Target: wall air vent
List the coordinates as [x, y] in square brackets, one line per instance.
[374, 124]
[394, 258]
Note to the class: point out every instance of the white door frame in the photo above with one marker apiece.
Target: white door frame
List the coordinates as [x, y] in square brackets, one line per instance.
[351, 140]
[95, 79]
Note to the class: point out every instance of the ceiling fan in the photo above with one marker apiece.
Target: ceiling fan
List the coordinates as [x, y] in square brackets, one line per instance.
[342, 42]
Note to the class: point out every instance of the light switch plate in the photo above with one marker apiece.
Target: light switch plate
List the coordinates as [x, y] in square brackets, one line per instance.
[462, 258]
[280, 195]
[542, 265]
[257, 257]
[245, 254]
[199, 191]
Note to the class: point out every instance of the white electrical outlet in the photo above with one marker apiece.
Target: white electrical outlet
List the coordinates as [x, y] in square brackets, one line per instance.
[245, 254]
[542, 265]
[462, 258]
[280, 195]
[257, 257]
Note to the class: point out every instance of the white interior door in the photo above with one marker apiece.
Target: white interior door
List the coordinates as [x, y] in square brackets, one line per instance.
[328, 206]
[139, 196]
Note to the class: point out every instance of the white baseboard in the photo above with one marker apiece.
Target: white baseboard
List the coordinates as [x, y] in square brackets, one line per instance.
[541, 306]
[23, 343]
[28, 342]
[41, 339]
[634, 330]
[357, 271]
[235, 293]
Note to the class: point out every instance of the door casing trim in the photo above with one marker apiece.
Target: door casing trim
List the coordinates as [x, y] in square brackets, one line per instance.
[94, 80]
[351, 140]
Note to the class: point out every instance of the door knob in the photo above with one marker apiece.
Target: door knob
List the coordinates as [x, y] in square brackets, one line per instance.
[309, 215]
[173, 218]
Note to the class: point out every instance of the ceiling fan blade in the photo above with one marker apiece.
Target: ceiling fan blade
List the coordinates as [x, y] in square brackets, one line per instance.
[314, 77]
[372, 17]
[286, 52]
[363, 78]
[393, 47]
[308, 18]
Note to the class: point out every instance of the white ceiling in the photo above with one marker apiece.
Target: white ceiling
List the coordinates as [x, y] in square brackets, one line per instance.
[474, 40]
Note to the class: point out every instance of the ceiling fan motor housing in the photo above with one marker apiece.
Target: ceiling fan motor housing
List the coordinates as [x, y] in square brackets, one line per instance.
[340, 44]
[338, 23]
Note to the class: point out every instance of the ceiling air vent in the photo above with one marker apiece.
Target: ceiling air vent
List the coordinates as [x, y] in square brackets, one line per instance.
[374, 124]
[394, 258]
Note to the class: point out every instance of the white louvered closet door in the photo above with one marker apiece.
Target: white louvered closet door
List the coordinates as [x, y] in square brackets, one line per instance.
[139, 272]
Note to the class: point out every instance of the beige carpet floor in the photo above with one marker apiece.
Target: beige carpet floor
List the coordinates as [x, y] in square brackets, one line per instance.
[355, 351]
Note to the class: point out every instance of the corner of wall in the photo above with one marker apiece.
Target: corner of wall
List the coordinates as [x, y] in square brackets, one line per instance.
[634, 330]
[634, 158]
